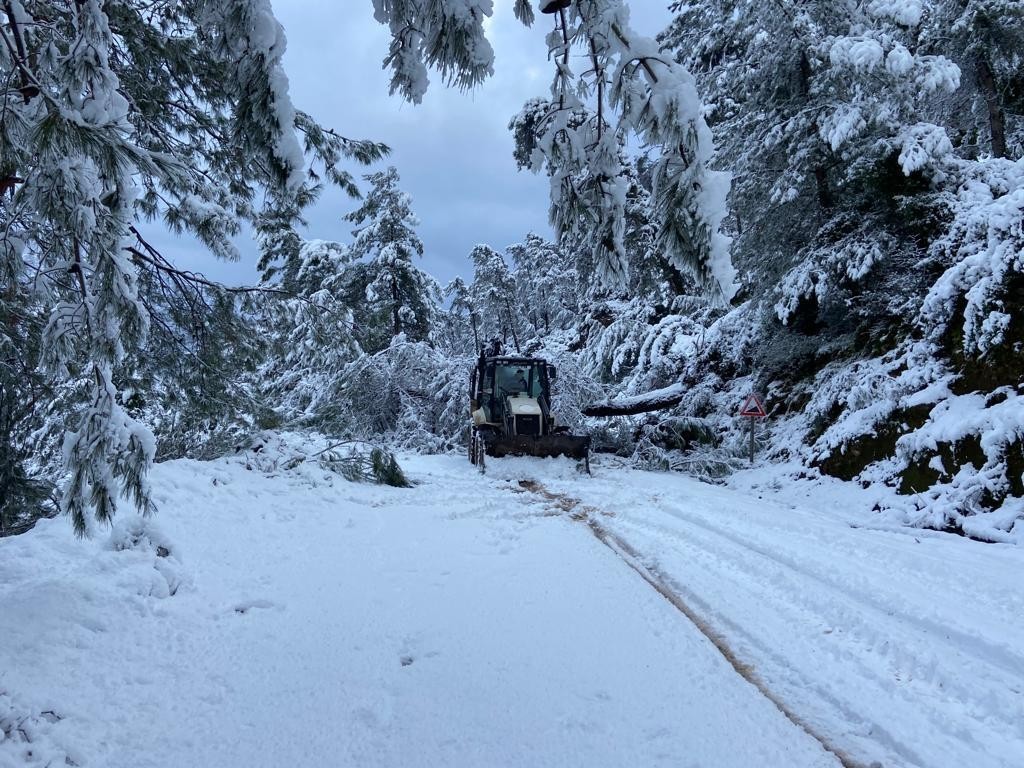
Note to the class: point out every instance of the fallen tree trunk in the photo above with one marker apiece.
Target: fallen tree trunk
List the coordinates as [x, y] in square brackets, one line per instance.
[658, 400]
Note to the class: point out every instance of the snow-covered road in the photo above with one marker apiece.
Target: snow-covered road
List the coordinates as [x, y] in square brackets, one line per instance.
[900, 647]
[304, 620]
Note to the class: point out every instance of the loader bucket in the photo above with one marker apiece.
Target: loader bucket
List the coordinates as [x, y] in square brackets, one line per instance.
[543, 446]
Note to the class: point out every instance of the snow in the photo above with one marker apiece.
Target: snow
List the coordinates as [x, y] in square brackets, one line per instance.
[860, 53]
[318, 622]
[905, 12]
[985, 244]
[938, 74]
[273, 616]
[267, 39]
[901, 646]
[448, 35]
[845, 123]
[646, 399]
[921, 145]
[899, 61]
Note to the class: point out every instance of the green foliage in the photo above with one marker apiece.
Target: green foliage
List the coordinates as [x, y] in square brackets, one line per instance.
[112, 116]
[359, 465]
[26, 492]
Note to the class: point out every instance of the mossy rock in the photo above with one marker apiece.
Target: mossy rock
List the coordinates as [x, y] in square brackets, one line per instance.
[846, 462]
[1003, 364]
[823, 421]
[920, 475]
[1015, 467]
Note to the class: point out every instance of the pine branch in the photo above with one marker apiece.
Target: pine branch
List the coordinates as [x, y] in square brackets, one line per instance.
[157, 261]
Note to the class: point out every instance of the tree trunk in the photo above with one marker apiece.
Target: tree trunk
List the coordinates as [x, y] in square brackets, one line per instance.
[512, 324]
[659, 400]
[396, 308]
[996, 114]
[476, 336]
[820, 175]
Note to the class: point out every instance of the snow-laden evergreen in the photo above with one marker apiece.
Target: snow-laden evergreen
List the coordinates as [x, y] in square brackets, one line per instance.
[493, 294]
[117, 118]
[880, 248]
[393, 287]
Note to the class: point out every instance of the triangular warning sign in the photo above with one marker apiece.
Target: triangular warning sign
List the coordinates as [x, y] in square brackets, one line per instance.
[753, 407]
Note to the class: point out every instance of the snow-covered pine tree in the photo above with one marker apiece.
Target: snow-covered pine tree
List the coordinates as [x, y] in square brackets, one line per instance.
[280, 243]
[494, 296]
[24, 395]
[462, 318]
[115, 114]
[878, 91]
[986, 40]
[313, 339]
[753, 64]
[411, 394]
[547, 285]
[399, 297]
[806, 98]
[191, 382]
[828, 113]
[885, 257]
[625, 87]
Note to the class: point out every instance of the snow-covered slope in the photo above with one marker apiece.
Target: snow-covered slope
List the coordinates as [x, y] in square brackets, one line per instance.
[273, 617]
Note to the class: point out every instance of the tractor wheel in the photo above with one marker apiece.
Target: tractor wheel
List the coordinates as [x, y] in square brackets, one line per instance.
[479, 451]
[476, 449]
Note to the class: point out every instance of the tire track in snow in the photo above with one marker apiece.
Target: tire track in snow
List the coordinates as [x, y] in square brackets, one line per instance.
[798, 612]
[981, 649]
[865, 624]
[875, 648]
[588, 514]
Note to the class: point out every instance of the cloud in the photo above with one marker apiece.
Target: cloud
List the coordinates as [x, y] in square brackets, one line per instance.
[454, 151]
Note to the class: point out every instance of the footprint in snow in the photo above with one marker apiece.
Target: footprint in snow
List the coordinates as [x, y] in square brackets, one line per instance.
[247, 605]
[408, 659]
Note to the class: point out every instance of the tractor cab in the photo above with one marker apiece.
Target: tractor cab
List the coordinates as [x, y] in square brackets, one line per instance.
[512, 393]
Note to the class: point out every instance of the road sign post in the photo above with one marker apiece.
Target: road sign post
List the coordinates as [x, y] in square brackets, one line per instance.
[752, 443]
[752, 410]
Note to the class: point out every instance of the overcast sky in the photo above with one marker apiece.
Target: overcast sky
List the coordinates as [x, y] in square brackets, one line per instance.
[453, 151]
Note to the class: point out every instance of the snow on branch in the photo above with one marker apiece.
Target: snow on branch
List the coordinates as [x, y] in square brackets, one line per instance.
[121, 113]
[657, 400]
[626, 88]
